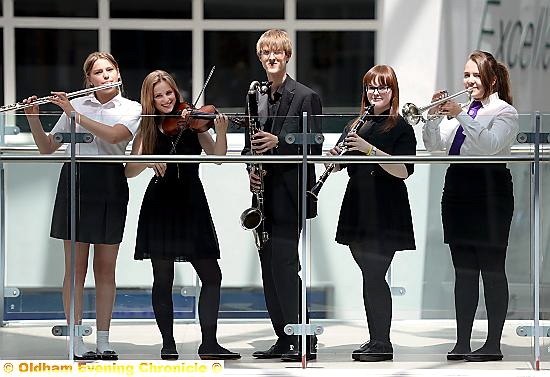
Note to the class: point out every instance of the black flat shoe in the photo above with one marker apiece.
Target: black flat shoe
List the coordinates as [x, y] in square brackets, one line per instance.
[294, 354]
[276, 351]
[362, 349]
[90, 355]
[374, 351]
[217, 352]
[169, 353]
[484, 354]
[458, 353]
[107, 355]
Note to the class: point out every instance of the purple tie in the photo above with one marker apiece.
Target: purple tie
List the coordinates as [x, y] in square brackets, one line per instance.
[459, 136]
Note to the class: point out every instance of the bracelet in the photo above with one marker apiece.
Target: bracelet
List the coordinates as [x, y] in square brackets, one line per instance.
[78, 120]
[369, 151]
[373, 151]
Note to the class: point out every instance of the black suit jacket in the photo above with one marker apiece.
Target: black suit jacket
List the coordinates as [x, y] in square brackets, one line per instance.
[296, 99]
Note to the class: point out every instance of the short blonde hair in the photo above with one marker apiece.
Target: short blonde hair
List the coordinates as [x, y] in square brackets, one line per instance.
[275, 39]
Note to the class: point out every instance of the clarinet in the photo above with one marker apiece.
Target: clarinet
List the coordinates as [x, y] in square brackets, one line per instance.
[314, 192]
[253, 217]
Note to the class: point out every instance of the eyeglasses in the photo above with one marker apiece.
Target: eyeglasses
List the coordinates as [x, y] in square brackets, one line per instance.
[277, 53]
[379, 89]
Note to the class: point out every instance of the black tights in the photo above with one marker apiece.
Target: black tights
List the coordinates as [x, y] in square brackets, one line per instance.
[468, 262]
[374, 265]
[209, 300]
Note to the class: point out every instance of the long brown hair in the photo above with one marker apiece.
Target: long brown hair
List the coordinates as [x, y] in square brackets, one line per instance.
[494, 75]
[385, 75]
[148, 129]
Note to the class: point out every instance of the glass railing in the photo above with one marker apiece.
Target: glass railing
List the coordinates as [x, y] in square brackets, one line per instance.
[421, 279]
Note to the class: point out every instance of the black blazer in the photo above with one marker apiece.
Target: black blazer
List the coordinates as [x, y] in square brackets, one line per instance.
[296, 99]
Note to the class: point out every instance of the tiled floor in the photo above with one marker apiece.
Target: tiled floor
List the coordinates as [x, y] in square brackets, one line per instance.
[419, 348]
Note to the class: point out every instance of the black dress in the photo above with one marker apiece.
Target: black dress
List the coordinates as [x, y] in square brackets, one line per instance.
[375, 208]
[174, 221]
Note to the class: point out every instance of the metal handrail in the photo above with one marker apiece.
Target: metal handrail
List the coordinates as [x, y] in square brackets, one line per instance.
[294, 159]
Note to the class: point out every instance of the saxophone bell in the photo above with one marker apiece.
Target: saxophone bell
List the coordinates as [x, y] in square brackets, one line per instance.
[251, 218]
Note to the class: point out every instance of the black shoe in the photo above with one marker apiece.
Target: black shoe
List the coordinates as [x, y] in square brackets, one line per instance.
[362, 349]
[107, 355]
[276, 351]
[484, 354]
[374, 351]
[295, 355]
[217, 352]
[169, 353]
[458, 353]
[90, 355]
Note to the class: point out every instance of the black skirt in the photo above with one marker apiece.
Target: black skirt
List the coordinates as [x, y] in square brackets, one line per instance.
[101, 203]
[477, 205]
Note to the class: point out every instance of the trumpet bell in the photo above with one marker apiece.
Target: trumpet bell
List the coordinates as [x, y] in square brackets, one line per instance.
[251, 218]
[411, 114]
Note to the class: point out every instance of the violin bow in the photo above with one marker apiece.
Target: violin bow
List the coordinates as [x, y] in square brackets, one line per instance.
[204, 86]
[194, 105]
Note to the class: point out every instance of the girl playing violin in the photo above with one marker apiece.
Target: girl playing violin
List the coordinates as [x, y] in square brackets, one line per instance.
[175, 224]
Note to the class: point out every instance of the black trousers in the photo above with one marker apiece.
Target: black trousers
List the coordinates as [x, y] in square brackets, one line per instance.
[282, 284]
[469, 261]
[374, 264]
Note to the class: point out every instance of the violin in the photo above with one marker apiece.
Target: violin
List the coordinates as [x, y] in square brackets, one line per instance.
[198, 120]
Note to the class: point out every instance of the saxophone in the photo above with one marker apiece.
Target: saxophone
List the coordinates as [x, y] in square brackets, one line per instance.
[253, 218]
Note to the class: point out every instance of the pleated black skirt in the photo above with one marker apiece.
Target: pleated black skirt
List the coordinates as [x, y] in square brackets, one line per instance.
[101, 203]
[477, 204]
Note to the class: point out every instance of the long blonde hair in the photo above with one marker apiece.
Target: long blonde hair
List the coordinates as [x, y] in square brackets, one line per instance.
[148, 128]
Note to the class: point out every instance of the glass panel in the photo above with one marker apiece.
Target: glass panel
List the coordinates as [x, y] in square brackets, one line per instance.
[40, 72]
[234, 71]
[421, 281]
[148, 9]
[2, 65]
[242, 9]
[335, 9]
[140, 52]
[544, 240]
[321, 68]
[55, 8]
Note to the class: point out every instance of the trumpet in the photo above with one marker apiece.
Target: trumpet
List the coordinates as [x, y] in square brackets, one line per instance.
[413, 113]
[314, 192]
[48, 99]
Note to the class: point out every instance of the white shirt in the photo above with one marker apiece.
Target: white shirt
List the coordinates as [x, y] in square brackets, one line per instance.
[492, 132]
[118, 110]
